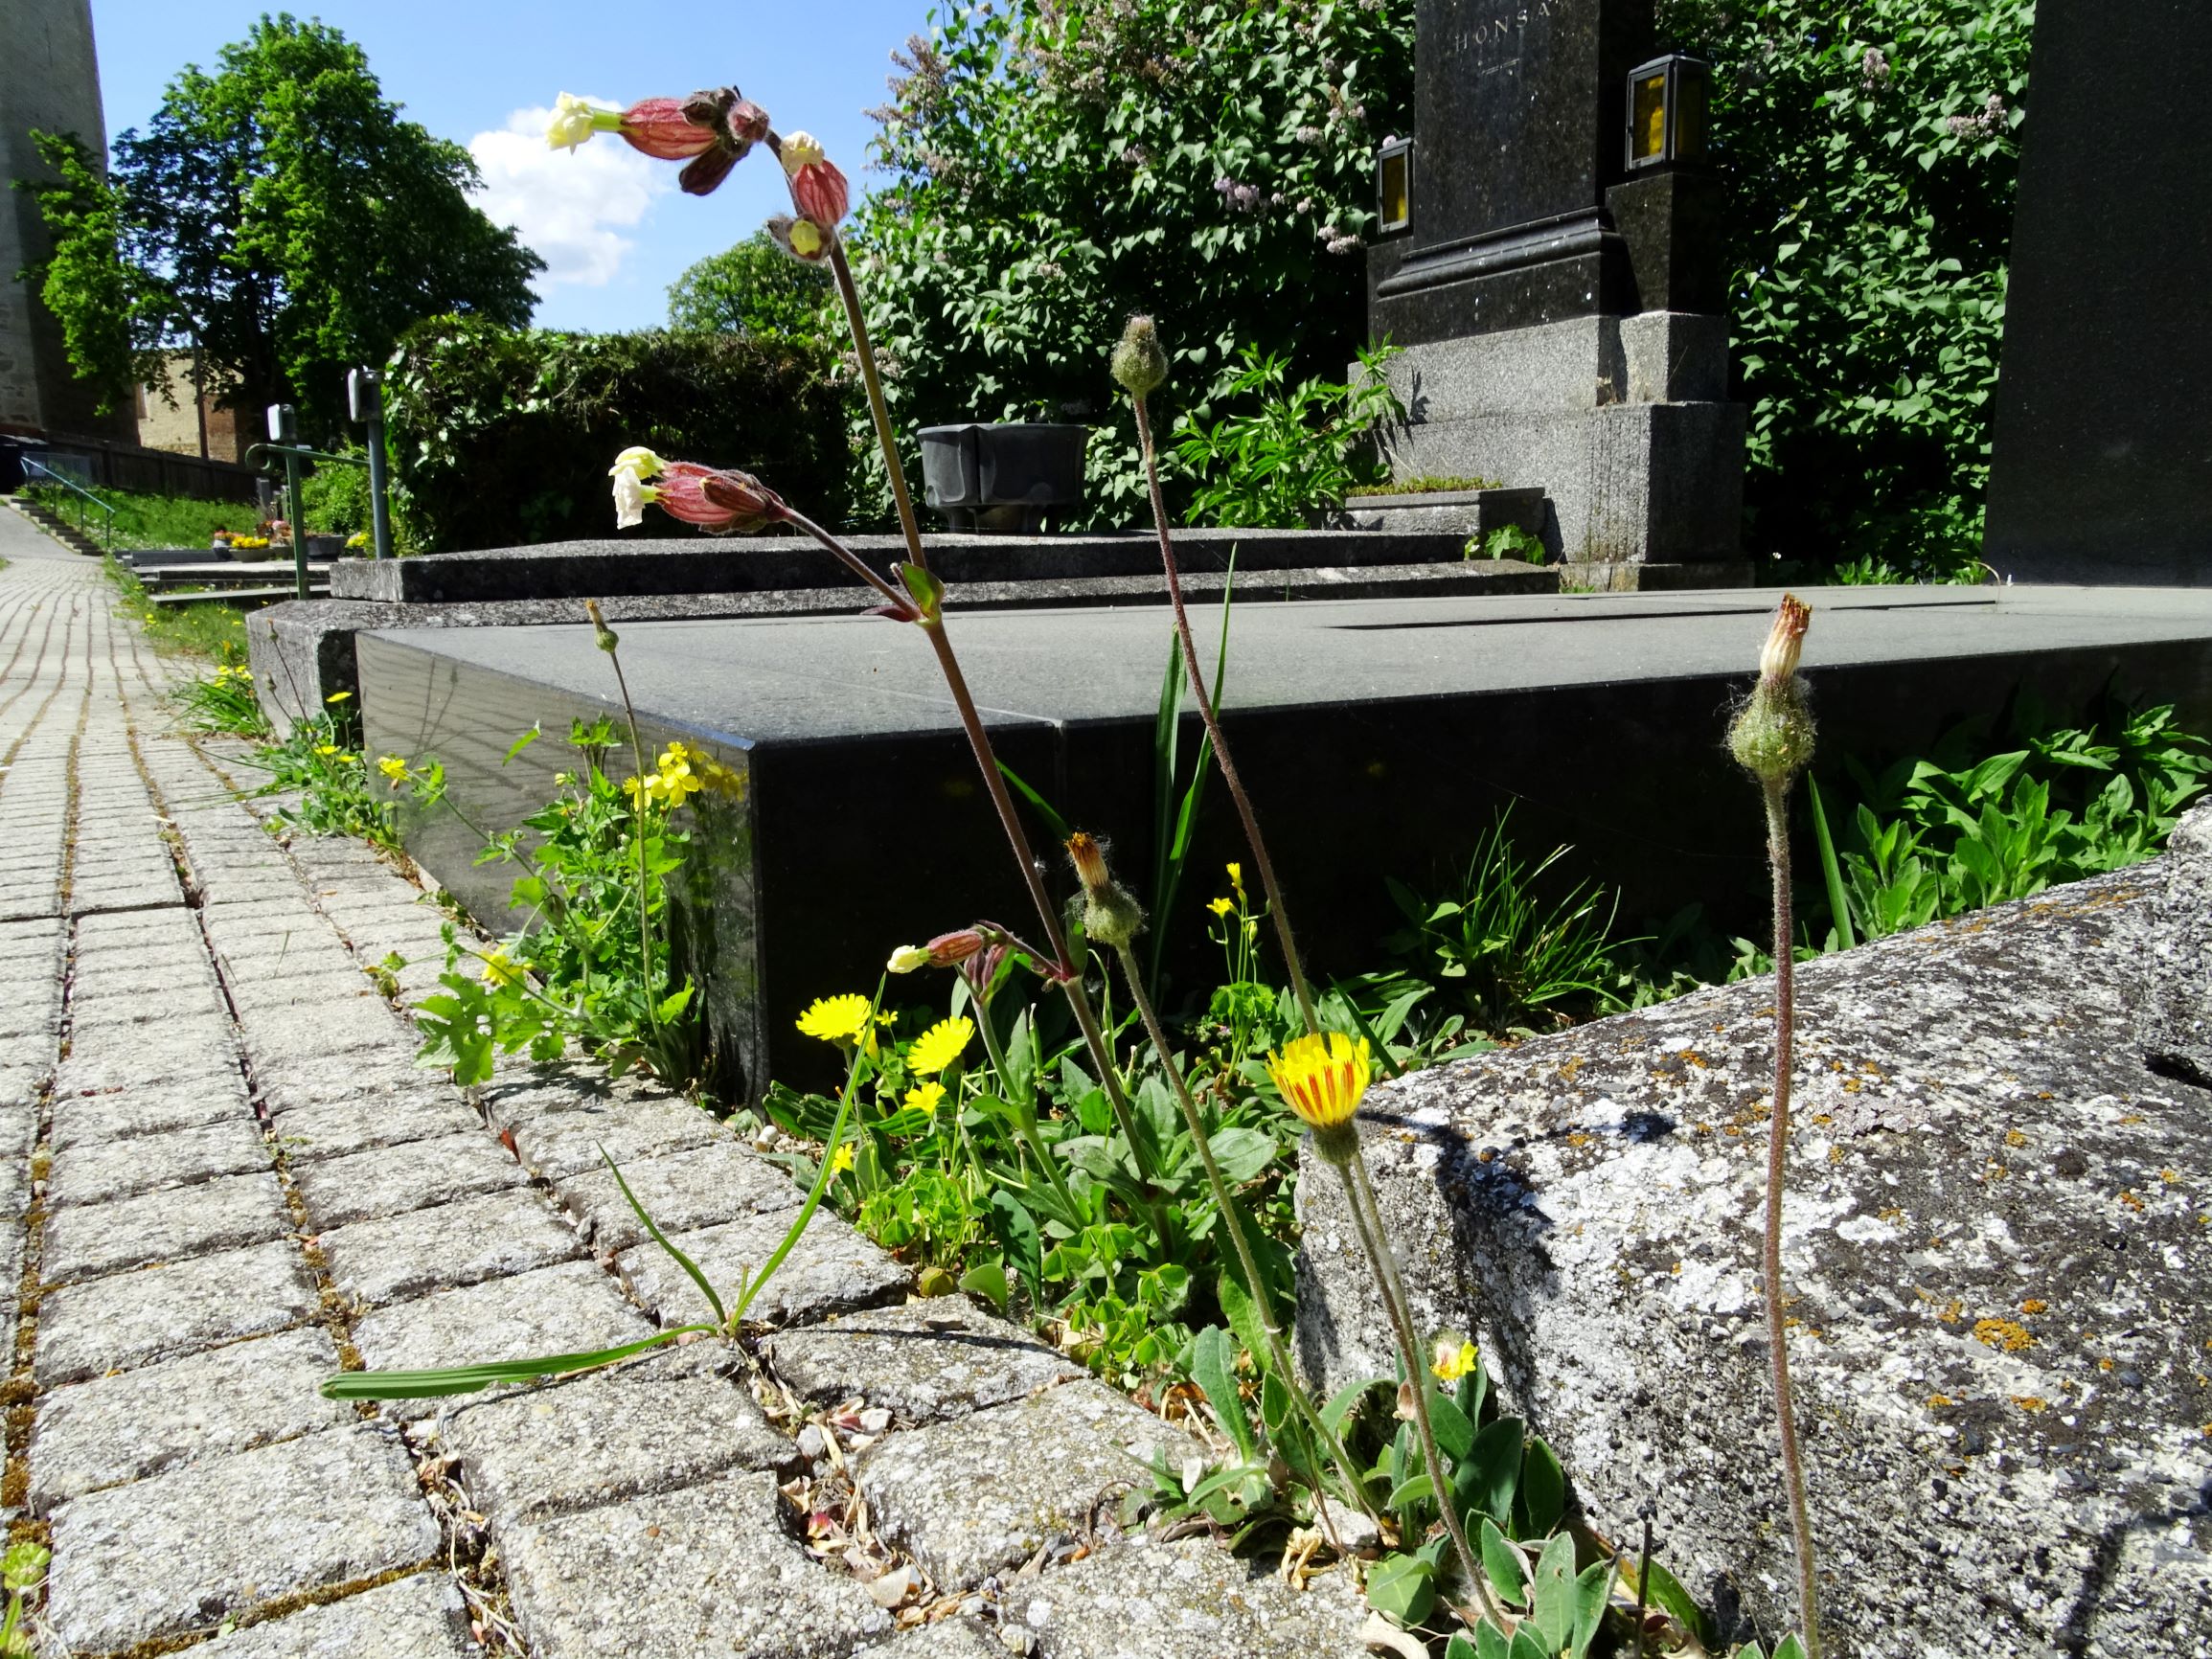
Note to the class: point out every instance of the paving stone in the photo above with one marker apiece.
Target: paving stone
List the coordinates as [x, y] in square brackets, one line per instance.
[708, 1571]
[33, 1051]
[222, 1214]
[340, 1026]
[309, 990]
[572, 1308]
[22, 1086]
[947, 1639]
[983, 1493]
[288, 1086]
[310, 1133]
[30, 1009]
[135, 1319]
[164, 1057]
[830, 1270]
[684, 1193]
[122, 1428]
[614, 1434]
[149, 1109]
[1135, 1597]
[559, 1123]
[422, 1616]
[94, 985]
[98, 1172]
[170, 1555]
[14, 1191]
[92, 1008]
[396, 1257]
[938, 1359]
[392, 1180]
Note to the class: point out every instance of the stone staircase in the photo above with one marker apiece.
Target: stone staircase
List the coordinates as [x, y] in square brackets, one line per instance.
[55, 526]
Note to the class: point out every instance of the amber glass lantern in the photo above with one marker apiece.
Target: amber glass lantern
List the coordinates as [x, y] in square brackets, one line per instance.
[1669, 100]
[1393, 184]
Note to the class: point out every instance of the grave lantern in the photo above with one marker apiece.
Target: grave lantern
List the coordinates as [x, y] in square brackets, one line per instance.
[284, 424]
[1667, 101]
[1394, 185]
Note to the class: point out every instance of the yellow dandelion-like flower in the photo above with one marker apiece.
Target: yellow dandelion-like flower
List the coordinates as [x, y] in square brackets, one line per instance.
[394, 768]
[502, 970]
[841, 1158]
[835, 1020]
[325, 748]
[1322, 1078]
[924, 1097]
[939, 1046]
[1451, 1361]
[1221, 907]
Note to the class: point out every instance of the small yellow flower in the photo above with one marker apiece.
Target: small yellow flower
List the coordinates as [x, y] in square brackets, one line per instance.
[394, 768]
[337, 696]
[939, 1046]
[325, 748]
[358, 539]
[842, 1158]
[924, 1097]
[1237, 878]
[1322, 1078]
[502, 970]
[1453, 1361]
[1221, 907]
[835, 1020]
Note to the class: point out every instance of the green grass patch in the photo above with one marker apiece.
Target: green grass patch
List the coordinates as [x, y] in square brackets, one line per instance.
[208, 629]
[153, 521]
[1425, 486]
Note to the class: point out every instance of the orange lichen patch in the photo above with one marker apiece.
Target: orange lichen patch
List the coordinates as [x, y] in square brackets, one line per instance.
[2045, 1095]
[1578, 1139]
[1568, 1068]
[2029, 1401]
[1852, 1086]
[2035, 1304]
[1707, 1128]
[2013, 1138]
[2133, 1118]
[1835, 1154]
[1952, 1312]
[1892, 1214]
[2131, 1200]
[2168, 1177]
[2106, 1363]
[1822, 1118]
[1937, 1402]
[2009, 1334]
[1692, 1058]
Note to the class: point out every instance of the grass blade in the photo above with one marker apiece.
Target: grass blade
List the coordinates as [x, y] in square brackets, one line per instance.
[1052, 821]
[1839, 902]
[468, 1379]
[661, 1238]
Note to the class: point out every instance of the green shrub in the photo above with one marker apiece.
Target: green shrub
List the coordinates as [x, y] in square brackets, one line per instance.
[1058, 164]
[1299, 448]
[502, 437]
[758, 290]
[1871, 153]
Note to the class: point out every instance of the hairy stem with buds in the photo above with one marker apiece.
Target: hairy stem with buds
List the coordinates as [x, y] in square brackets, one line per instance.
[1777, 793]
[637, 832]
[1276, 909]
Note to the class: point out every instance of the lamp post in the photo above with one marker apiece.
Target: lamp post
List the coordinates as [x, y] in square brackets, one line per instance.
[1669, 100]
[365, 402]
[285, 437]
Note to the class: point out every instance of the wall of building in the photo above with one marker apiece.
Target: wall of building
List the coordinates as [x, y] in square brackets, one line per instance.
[48, 81]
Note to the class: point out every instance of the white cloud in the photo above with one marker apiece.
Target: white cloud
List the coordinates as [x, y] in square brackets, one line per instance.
[568, 206]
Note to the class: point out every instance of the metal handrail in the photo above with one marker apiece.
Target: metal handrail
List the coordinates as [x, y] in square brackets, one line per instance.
[30, 464]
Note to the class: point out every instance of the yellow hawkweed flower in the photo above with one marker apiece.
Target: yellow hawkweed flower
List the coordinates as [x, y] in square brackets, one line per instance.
[337, 696]
[1453, 1361]
[1221, 907]
[835, 1020]
[394, 768]
[502, 970]
[326, 749]
[842, 1158]
[939, 1046]
[924, 1097]
[1322, 1078]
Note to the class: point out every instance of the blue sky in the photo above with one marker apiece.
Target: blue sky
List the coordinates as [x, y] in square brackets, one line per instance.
[611, 225]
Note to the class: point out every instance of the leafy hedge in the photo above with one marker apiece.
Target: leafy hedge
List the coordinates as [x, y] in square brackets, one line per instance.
[502, 437]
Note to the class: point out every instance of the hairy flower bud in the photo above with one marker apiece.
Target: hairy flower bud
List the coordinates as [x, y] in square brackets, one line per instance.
[820, 192]
[664, 128]
[714, 500]
[1771, 736]
[1140, 363]
[950, 949]
[604, 635]
[1110, 917]
[801, 238]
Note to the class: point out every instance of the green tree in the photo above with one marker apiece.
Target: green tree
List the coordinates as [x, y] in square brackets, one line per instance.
[278, 215]
[1871, 151]
[1057, 165]
[754, 289]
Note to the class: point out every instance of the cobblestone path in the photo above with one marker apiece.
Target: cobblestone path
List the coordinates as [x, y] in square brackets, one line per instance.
[223, 1178]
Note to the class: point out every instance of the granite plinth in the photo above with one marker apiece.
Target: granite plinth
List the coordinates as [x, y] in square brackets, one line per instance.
[1395, 727]
[2099, 470]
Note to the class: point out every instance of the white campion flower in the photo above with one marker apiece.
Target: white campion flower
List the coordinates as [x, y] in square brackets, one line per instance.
[631, 493]
[639, 459]
[803, 149]
[909, 957]
[574, 121]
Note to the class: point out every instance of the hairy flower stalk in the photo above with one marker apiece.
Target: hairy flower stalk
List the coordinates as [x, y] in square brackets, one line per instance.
[1323, 1079]
[608, 643]
[1771, 737]
[1140, 364]
[1119, 917]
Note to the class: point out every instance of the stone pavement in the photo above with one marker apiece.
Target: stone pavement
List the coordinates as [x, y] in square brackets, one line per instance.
[224, 1178]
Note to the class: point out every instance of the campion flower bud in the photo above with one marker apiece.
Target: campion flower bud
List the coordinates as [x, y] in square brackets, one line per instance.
[801, 238]
[1322, 1078]
[1110, 917]
[803, 149]
[821, 194]
[665, 129]
[909, 958]
[604, 635]
[1139, 362]
[950, 949]
[1771, 737]
[723, 502]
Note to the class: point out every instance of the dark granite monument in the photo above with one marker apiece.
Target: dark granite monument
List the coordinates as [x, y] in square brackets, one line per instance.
[1558, 298]
[2102, 467]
